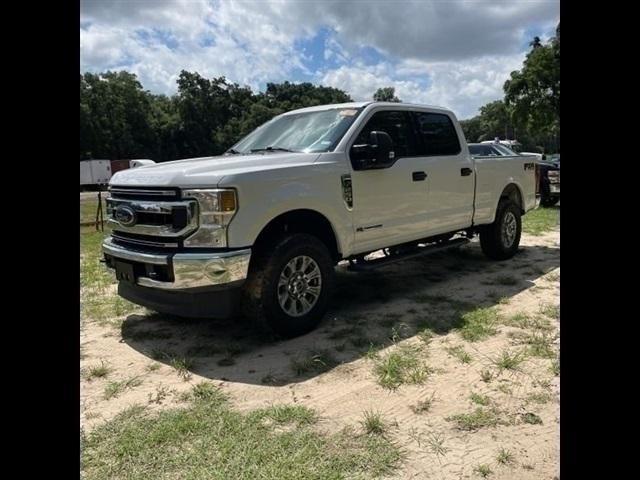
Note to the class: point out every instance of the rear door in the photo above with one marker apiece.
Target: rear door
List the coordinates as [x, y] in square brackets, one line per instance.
[450, 171]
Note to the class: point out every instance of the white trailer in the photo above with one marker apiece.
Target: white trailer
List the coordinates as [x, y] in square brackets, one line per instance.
[94, 172]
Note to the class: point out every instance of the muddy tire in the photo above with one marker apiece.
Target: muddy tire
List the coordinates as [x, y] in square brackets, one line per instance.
[289, 284]
[500, 240]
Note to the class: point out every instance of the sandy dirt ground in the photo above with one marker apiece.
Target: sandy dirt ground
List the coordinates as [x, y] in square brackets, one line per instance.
[393, 302]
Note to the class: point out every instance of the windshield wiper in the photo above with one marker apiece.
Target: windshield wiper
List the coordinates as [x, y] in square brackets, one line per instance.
[271, 149]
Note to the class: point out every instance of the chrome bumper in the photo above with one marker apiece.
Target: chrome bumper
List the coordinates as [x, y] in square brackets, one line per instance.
[190, 270]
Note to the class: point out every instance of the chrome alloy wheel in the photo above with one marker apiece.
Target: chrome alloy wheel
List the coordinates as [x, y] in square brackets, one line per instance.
[509, 229]
[299, 286]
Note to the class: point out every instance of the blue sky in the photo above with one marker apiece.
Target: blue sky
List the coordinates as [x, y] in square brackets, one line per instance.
[456, 53]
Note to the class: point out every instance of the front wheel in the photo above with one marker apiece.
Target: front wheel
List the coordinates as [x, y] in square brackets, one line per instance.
[500, 240]
[290, 285]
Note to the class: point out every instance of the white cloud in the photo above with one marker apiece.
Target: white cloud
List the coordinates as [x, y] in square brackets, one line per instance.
[455, 53]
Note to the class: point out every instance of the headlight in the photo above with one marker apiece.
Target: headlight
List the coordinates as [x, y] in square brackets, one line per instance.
[216, 208]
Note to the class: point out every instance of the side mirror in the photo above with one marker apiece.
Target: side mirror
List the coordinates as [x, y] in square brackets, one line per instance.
[378, 153]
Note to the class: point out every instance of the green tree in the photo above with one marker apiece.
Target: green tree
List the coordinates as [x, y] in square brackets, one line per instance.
[386, 94]
[533, 92]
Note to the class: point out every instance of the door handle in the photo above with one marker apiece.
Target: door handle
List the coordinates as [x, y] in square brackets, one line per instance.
[418, 176]
[465, 172]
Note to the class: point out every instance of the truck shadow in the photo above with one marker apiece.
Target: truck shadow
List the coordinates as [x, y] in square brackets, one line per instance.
[369, 311]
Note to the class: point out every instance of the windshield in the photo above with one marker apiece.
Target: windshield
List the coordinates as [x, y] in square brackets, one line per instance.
[307, 132]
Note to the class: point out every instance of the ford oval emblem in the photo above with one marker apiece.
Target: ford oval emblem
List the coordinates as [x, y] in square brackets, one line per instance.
[125, 216]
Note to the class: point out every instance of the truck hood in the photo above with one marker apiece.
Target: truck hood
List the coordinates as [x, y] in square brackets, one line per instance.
[209, 171]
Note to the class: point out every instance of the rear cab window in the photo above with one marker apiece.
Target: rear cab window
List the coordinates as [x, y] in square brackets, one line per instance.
[437, 134]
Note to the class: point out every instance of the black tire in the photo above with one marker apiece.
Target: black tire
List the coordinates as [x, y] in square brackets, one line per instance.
[261, 299]
[548, 201]
[494, 244]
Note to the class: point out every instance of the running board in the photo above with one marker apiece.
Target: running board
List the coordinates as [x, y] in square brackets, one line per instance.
[422, 251]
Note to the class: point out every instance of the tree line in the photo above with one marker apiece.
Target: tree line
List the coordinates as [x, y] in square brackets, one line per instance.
[121, 120]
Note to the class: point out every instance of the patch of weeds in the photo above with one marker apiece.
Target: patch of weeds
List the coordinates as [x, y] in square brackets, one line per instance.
[98, 371]
[152, 367]
[113, 389]
[423, 406]
[318, 361]
[160, 395]
[539, 397]
[483, 470]
[182, 365]
[478, 324]
[206, 392]
[540, 345]
[480, 399]
[531, 418]
[426, 335]
[459, 352]
[555, 367]
[519, 320]
[504, 388]
[373, 424]
[504, 300]
[509, 360]
[400, 366]
[486, 376]
[479, 418]
[505, 457]
[287, 415]
[550, 310]
[435, 442]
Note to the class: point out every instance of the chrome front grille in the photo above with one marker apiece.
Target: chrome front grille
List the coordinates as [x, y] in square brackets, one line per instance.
[151, 217]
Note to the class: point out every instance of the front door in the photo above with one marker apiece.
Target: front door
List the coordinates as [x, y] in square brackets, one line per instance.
[390, 204]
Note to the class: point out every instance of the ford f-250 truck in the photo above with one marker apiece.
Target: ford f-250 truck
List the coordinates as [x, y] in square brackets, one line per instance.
[261, 228]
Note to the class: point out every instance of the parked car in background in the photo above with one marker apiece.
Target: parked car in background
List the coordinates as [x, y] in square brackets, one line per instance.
[549, 173]
[548, 170]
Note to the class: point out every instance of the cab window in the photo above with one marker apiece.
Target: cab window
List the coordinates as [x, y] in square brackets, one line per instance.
[398, 125]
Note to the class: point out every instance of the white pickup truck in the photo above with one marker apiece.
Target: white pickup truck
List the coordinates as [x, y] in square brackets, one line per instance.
[261, 228]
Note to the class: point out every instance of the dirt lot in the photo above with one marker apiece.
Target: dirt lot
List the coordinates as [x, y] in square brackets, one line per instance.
[458, 355]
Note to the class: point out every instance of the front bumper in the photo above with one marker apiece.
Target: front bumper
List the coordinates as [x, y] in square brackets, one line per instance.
[187, 270]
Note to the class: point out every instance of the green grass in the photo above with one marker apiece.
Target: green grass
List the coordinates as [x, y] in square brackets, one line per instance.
[435, 443]
[550, 310]
[505, 457]
[114, 389]
[182, 365]
[531, 418]
[483, 470]
[460, 353]
[402, 365]
[98, 371]
[98, 299]
[479, 418]
[423, 406]
[478, 324]
[373, 423]
[555, 367]
[209, 439]
[509, 360]
[540, 220]
[317, 361]
[480, 399]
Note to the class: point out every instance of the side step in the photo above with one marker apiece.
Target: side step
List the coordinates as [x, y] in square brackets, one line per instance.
[422, 251]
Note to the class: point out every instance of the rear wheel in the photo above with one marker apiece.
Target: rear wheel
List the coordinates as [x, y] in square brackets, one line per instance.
[290, 284]
[500, 240]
